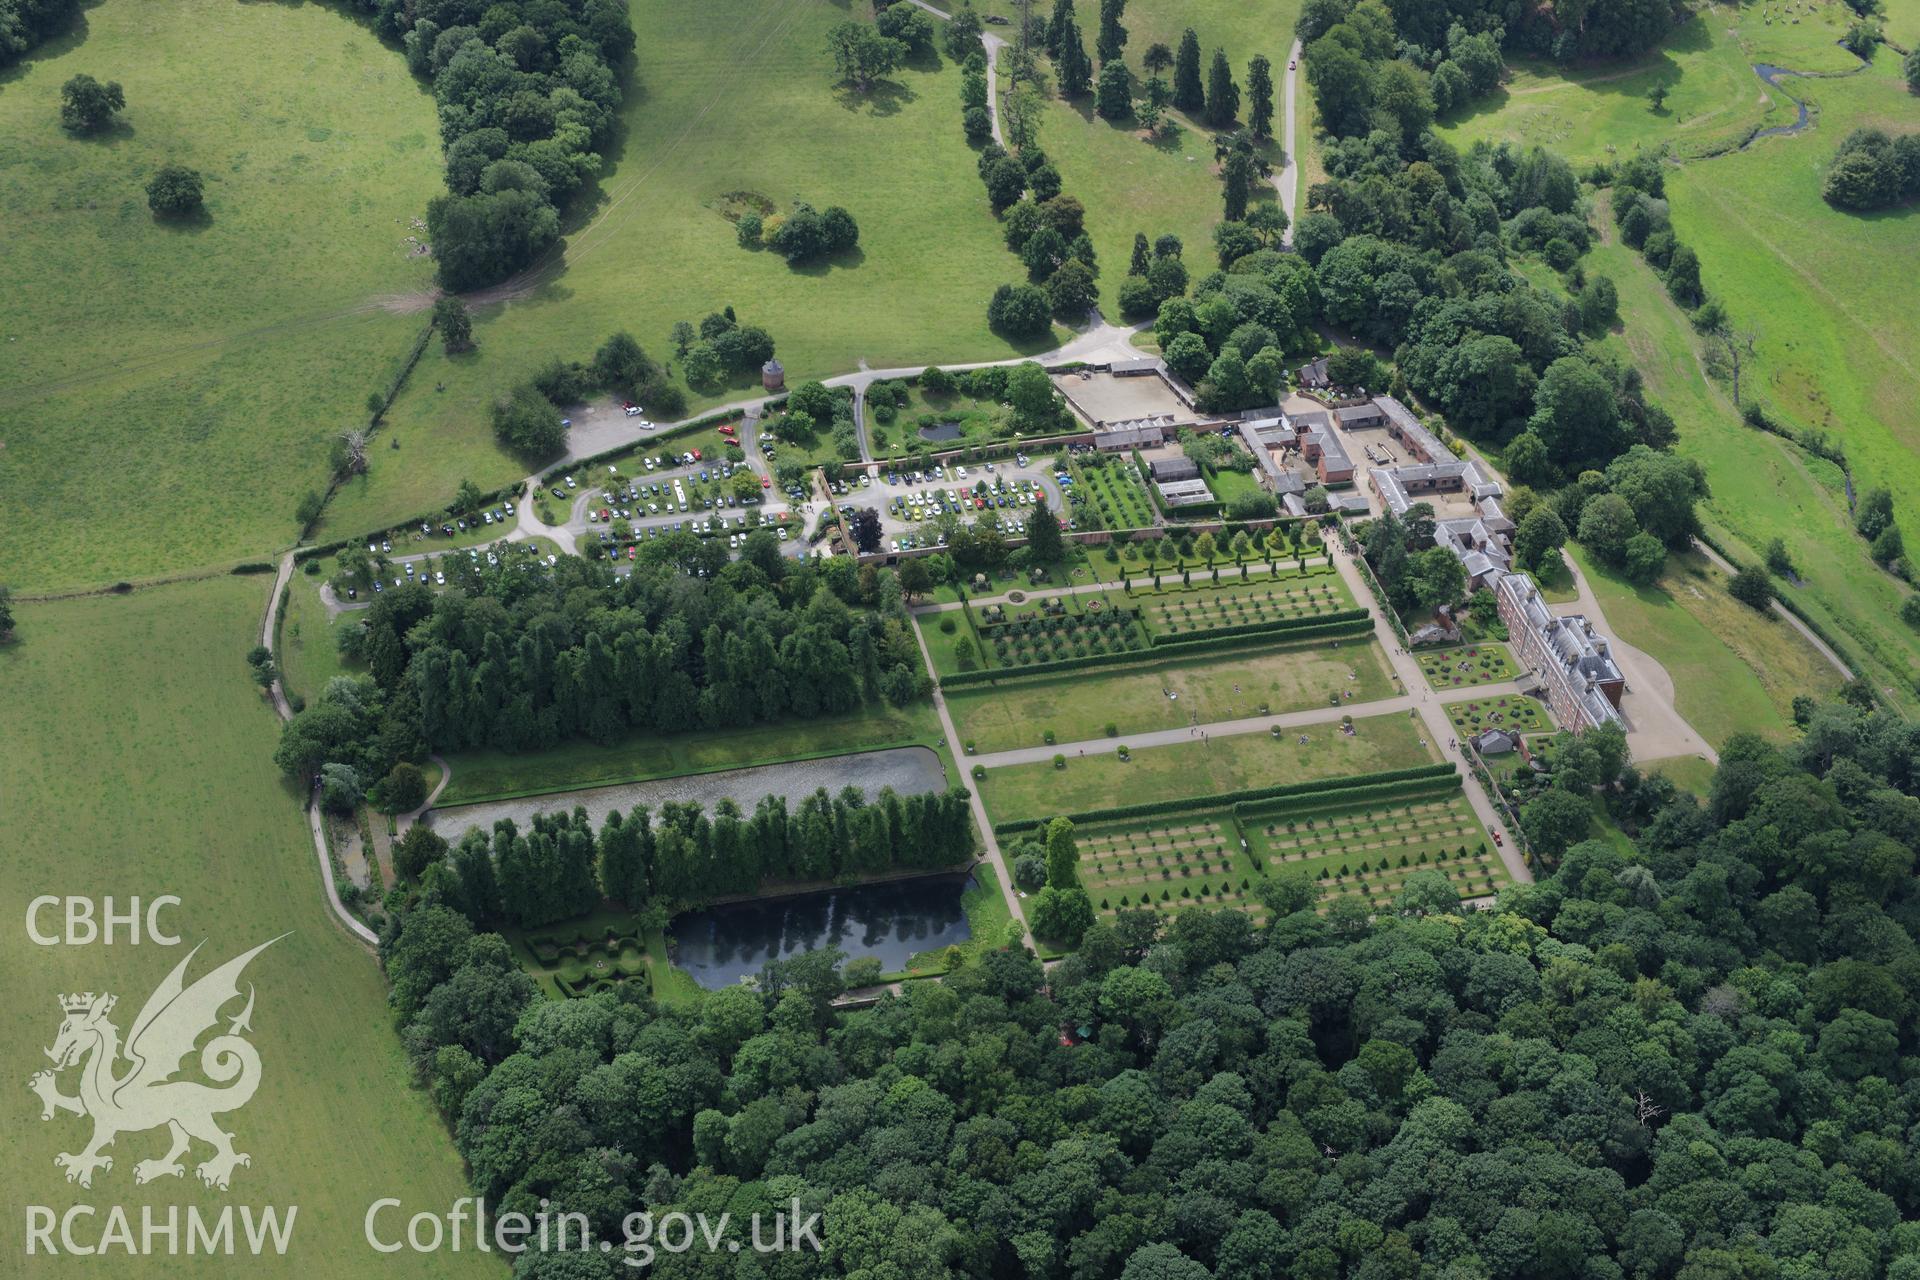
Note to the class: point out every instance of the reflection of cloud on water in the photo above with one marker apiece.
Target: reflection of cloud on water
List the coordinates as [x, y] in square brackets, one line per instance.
[890, 921]
[908, 770]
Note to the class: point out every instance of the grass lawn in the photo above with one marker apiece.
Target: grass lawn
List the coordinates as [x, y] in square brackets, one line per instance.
[1689, 773]
[1762, 487]
[309, 650]
[1734, 670]
[1228, 485]
[1166, 695]
[181, 382]
[729, 101]
[164, 784]
[1200, 768]
[496, 775]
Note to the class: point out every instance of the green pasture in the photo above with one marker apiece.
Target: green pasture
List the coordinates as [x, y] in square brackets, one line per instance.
[729, 101]
[1714, 101]
[167, 392]
[1762, 487]
[164, 784]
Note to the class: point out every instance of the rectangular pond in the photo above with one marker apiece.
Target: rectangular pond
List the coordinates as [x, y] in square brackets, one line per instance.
[908, 770]
[891, 920]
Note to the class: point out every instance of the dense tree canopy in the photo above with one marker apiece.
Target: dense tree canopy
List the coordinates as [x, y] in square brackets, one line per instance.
[517, 659]
[1689, 1058]
[527, 91]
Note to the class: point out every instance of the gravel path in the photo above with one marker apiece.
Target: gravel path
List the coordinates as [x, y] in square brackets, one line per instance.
[908, 770]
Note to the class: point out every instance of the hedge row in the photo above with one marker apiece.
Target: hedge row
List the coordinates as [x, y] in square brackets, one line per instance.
[1380, 597]
[1175, 648]
[1318, 788]
[1255, 811]
[1280, 626]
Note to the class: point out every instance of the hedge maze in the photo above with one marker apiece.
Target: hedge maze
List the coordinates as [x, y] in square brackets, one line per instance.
[585, 962]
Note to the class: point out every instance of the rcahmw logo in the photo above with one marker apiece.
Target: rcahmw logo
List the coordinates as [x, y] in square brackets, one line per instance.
[131, 1086]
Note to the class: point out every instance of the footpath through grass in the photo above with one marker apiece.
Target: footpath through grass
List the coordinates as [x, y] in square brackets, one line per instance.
[1098, 781]
[1168, 694]
[135, 735]
[1733, 670]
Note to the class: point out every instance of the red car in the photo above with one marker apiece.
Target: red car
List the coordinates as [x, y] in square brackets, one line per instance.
[696, 455]
[765, 483]
[726, 428]
[1497, 841]
[629, 553]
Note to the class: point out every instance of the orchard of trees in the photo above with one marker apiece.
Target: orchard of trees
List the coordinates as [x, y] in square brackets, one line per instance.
[527, 92]
[1687, 1059]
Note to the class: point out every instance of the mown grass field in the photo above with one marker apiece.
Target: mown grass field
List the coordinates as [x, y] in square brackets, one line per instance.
[168, 392]
[730, 97]
[494, 775]
[1733, 670]
[1016, 792]
[137, 739]
[1166, 694]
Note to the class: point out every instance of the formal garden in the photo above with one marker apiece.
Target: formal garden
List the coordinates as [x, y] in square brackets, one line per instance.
[1364, 850]
[1514, 713]
[598, 952]
[1188, 860]
[1467, 666]
[1109, 492]
[1370, 850]
[1174, 610]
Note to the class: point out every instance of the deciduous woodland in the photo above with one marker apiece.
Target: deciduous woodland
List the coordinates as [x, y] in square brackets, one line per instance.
[1693, 1059]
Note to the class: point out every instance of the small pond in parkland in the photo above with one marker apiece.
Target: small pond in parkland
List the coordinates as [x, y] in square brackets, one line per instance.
[941, 431]
[891, 920]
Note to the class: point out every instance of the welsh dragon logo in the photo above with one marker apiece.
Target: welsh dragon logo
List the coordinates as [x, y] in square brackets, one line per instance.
[143, 1093]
